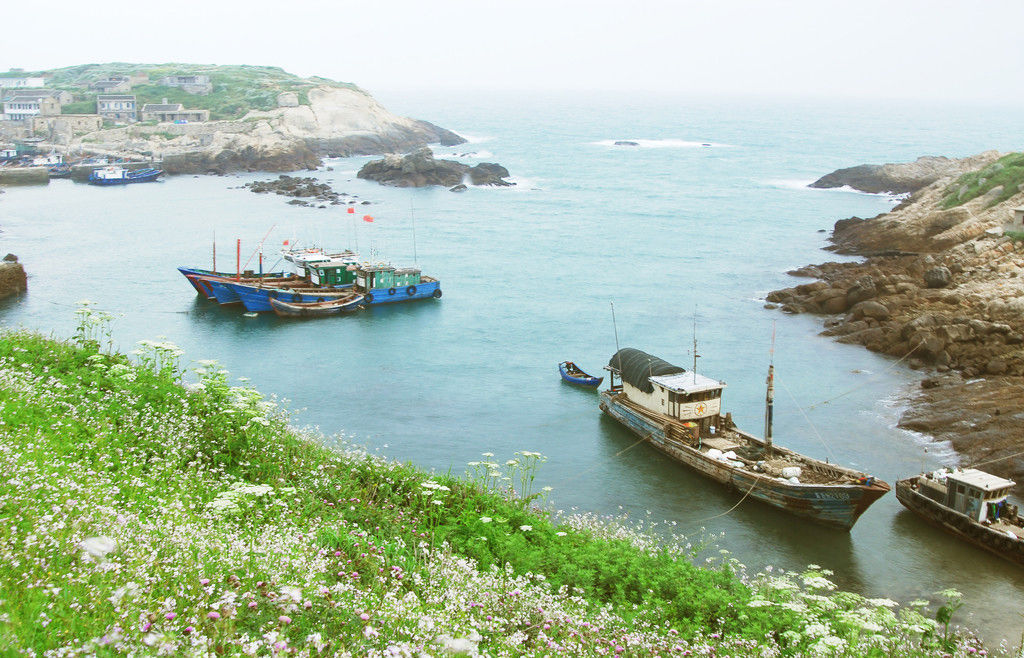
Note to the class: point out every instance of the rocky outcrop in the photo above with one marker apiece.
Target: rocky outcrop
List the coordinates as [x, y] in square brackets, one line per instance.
[304, 191]
[940, 290]
[338, 121]
[12, 277]
[903, 177]
[420, 168]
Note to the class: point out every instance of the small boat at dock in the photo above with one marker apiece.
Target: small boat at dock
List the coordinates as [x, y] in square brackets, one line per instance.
[115, 175]
[342, 304]
[574, 375]
[970, 504]
[680, 414]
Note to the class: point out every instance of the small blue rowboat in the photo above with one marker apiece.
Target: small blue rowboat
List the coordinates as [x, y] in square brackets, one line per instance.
[571, 373]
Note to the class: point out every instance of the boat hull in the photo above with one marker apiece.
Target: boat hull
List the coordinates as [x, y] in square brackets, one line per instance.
[835, 505]
[958, 524]
[422, 290]
[592, 382]
[316, 309]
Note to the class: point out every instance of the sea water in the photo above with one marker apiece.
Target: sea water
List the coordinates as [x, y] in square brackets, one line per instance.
[684, 233]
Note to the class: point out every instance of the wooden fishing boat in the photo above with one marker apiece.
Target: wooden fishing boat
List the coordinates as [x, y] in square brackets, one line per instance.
[574, 375]
[970, 504]
[342, 304]
[679, 413]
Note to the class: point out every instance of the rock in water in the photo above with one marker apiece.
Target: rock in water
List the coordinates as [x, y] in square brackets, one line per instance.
[420, 168]
[625, 142]
[12, 277]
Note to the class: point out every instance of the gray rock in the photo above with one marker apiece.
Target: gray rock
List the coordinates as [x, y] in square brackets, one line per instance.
[996, 367]
[871, 309]
[937, 277]
[862, 289]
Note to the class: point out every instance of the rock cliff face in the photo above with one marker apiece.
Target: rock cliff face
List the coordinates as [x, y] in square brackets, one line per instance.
[903, 177]
[419, 169]
[337, 122]
[940, 289]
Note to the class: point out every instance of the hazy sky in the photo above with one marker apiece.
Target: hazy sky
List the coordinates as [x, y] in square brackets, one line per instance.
[867, 48]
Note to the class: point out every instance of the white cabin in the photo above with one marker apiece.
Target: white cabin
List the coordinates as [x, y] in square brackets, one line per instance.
[977, 494]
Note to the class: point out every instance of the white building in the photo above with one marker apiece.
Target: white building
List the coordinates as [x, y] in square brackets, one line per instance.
[19, 83]
[20, 108]
[118, 107]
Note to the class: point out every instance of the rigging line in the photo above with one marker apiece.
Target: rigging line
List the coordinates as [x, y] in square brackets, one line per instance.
[752, 487]
[869, 381]
[997, 459]
[260, 246]
[804, 414]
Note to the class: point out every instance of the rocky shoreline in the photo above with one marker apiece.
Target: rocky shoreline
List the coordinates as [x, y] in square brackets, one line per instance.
[940, 289]
[309, 192]
[420, 169]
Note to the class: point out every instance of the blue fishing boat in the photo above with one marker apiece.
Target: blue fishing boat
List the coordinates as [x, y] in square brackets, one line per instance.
[574, 375]
[210, 284]
[679, 413]
[62, 170]
[114, 175]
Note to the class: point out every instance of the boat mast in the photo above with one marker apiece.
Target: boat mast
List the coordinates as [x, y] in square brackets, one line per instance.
[238, 259]
[215, 252]
[618, 362]
[769, 399]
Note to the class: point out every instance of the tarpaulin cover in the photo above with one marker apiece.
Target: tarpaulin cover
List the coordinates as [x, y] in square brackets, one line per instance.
[636, 366]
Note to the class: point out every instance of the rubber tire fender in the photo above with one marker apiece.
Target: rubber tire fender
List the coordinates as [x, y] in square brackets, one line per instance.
[368, 298]
[391, 291]
[411, 290]
[437, 293]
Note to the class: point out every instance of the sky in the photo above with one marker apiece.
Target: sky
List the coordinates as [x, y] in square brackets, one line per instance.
[900, 49]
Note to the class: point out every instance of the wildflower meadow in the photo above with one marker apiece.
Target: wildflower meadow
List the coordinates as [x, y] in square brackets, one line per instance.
[146, 515]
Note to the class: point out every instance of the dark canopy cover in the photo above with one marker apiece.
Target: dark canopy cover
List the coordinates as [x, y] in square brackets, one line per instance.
[635, 367]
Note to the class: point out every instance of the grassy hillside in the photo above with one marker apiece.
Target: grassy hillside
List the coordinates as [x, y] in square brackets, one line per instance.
[1007, 172]
[236, 88]
[145, 516]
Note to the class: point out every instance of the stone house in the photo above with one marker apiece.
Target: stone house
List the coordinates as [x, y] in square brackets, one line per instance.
[20, 108]
[170, 112]
[75, 123]
[193, 84]
[1016, 223]
[62, 97]
[115, 84]
[116, 107]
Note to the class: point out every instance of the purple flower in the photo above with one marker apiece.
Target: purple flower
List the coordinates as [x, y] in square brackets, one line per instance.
[285, 619]
[364, 617]
[252, 604]
[204, 581]
[170, 615]
[188, 630]
[213, 614]
[146, 627]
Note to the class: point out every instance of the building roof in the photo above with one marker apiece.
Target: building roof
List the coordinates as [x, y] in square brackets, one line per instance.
[22, 99]
[980, 479]
[34, 94]
[688, 382]
[115, 97]
[161, 107]
[637, 367]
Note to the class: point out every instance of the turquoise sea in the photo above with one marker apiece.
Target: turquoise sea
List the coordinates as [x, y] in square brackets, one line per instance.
[685, 233]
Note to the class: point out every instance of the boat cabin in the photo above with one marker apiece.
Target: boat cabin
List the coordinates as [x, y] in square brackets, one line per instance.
[979, 495]
[667, 389]
[332, 272]
[371, 277]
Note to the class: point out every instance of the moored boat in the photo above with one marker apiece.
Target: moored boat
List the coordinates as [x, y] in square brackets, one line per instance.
[679, 413]
[62, 170]
[115, 175]
[574, 375]
[342, 304]
[970, 504]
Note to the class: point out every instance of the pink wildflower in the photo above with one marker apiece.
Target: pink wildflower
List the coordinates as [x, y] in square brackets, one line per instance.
[364, 617]
[213, 614]
[204, 581]
[285, 619]
[170, 615]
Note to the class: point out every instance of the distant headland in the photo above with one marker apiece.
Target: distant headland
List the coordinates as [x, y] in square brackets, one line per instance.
[198, 118]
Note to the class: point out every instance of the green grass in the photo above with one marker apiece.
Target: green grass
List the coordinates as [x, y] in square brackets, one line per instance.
[1007, 172]
[143, 515]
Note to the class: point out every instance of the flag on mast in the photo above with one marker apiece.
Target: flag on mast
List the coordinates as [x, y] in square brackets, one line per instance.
[367, 218]
[351, 210]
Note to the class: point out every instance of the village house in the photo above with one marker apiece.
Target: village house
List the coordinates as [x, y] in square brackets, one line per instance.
[115, 84]
[1016, 222]
[171, 112]
[21, 82]
[20, 108]
[193, 84]
[62, 97]
[116, 107]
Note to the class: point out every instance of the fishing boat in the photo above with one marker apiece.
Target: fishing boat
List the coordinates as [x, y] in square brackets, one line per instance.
[342, 304]
[62, 170]
[115, 175]
[680, 413]
[208, 283]
[574, 375]
[970, 504]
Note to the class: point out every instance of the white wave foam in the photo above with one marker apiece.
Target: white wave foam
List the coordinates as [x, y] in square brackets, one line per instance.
[659, 143]
[893, 408]
[470, 155]
[473, 139]
[521, 185]
[802, 184]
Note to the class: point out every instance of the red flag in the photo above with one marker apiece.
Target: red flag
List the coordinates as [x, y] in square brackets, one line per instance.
[286, 243]
[351, 210]
[367, 218]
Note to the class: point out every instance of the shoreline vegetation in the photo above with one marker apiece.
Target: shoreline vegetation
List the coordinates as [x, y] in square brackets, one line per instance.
[190, 519]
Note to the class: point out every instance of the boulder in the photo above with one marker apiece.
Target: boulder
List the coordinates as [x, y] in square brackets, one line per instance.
[862, 289]
[937, 277]
[870, 309]
[420, 169]
[288, 99]
[12, 277]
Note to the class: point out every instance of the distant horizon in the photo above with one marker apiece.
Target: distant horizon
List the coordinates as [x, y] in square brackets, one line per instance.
[929, 50]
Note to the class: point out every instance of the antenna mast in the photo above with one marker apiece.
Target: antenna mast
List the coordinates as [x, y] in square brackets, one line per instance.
[695, 355]
[615, 327]
[769, 399]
